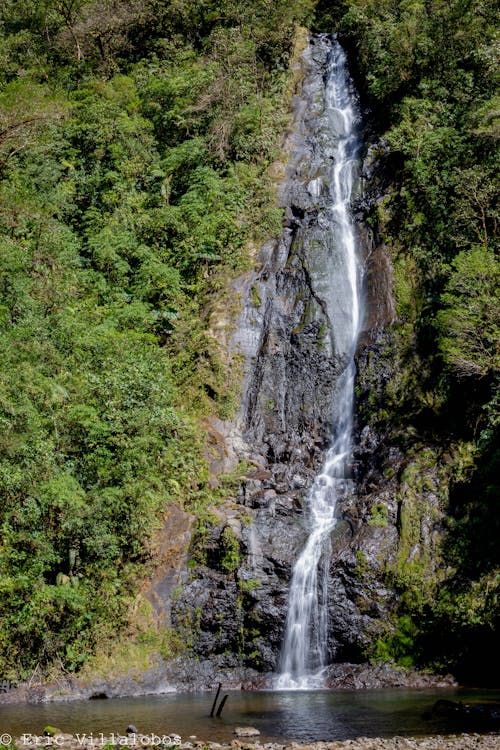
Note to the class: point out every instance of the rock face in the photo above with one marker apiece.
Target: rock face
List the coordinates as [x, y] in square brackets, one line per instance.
[289, 342]
[233, 610]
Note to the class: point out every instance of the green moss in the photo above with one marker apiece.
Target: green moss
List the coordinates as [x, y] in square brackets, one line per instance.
[248, 585]
[362, 568]
[50, 731]
[173, 643]
[306, 317]
[407, 291]
[231, 555]
[255, 296]
[245, 518]
[398, 645]
[419, 569]
[378, 515]
[182, 639]
[205, 521]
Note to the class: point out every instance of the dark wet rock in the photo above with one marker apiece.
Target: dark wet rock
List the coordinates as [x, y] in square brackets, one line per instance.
[466, 715]
[190, 674]
[364, 676]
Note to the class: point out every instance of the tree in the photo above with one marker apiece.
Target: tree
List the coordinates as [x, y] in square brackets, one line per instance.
[25, 109]
[469, 324]
[475, 207]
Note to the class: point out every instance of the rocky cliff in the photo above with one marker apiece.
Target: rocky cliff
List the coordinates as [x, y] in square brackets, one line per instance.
[238, 590]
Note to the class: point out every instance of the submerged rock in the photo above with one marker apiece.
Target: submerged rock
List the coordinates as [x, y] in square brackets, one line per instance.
[465, 715]
[246, 732]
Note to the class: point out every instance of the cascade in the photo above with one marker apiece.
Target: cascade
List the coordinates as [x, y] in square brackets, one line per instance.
[304, 652]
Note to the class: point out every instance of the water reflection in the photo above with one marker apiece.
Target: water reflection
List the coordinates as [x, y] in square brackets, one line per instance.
[302, 716]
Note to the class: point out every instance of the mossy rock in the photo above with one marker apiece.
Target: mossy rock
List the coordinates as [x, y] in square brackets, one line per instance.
[50, 731]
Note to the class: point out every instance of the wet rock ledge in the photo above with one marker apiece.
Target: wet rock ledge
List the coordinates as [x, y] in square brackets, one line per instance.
[190, 675]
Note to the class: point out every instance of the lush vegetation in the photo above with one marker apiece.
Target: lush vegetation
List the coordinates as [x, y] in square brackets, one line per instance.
[428, 73]
[134, 141]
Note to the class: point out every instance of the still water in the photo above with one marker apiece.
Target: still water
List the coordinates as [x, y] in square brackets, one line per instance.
[305, 716]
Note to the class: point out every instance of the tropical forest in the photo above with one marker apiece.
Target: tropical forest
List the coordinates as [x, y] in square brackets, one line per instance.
[176, 370]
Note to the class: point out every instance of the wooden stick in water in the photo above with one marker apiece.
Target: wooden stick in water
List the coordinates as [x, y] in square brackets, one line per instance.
[221, 705]
[215, 700]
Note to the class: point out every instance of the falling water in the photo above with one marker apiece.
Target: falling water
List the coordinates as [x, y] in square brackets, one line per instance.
[304, 653]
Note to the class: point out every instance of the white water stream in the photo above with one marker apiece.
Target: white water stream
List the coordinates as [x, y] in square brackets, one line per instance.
[305, 652]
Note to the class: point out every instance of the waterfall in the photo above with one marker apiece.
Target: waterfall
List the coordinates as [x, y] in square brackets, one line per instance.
[304, 652]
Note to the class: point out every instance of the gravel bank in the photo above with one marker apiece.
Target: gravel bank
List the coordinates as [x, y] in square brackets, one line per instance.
[437, 742]
[452, 742]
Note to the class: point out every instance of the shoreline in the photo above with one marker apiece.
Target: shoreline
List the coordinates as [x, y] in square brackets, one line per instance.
[459, 741]
[187, 676]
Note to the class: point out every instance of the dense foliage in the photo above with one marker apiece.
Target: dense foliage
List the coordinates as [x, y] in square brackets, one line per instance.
[428, 74]
[134, 138]
[134, 141]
